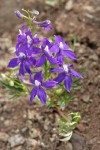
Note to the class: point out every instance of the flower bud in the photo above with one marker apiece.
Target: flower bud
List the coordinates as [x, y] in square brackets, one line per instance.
[35, 12]
[59, 91]
[19, 14]
[11, 83]
[44, 23]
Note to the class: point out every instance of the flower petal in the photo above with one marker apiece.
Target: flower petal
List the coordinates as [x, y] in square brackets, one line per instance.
[68, 83]
[21, 69]
[60, 59]
[36, 50]
[75, 74]
[42, 95]
[27, 67]
[48, 28]
[54, 48]
[60, 78]
[19, 14]
[36, 40]
[31, 61]
[58, 39]
[49, 84]
[13, 63]
[45, 24]
[38, 76]
[56, 69]
[22, 48]
[52, 60]
[45, 43]
[33, 94]
[69, 54]
[41, 61]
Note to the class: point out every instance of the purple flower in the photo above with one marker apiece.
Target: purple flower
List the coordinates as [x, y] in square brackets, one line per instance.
[65, 75]
[38, 87]
[62, 50]
[19, 14]
[46, 45]
[24, 61]
[26, 42]
[44, 24]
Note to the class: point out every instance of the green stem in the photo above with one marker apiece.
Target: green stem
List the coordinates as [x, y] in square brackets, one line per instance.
[46, 70]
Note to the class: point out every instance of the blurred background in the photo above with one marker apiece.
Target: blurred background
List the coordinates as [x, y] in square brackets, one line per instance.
[36, 127]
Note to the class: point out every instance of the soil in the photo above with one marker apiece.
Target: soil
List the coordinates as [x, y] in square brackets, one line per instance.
[35, 123]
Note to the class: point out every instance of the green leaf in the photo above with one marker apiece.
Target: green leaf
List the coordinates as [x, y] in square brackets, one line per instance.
[67, 125]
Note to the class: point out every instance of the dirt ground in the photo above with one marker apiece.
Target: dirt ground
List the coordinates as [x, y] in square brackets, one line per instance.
[35, 127]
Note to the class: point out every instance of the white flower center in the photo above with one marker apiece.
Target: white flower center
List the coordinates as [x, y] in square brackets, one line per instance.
[65, 67]
[21, 55]
[29, 39]
[37, 83]
[47, 49]
[20, 32]
[61, 45]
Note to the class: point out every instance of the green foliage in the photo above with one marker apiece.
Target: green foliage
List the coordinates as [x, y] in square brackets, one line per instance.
[67, 125]
[60, 97]
[16, 87]
[74, 41]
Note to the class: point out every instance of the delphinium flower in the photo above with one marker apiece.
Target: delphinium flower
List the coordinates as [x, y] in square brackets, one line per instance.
[46, 54]
[65, 73]
[39, 84]
[26, 42]
[24, 51]
[24, 61]
[62, 49]
[31, 51]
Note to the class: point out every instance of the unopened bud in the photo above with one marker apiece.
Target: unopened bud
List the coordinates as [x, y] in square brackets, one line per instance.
[35, 12]
[4, 76]
[19, 14]
[59, 91]
[11, 83]
[44, 23]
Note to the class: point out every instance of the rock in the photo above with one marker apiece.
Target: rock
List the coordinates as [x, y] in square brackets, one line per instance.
[7, 122]
[93, 140]
[34, 133]
[96, 147]
[18, 148]
[54, 136]
[6, 109]
[44, 145]
[46, 124]
[93, 57]
[81, 127]
[69, 146]
[31, 114]
[86, 98]
[2, 119]
[3, 137]
[69, 5]
[16, 140]
[32, 142]
[5, 43]
[88, 8]
[24, 130]
[78, 142]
